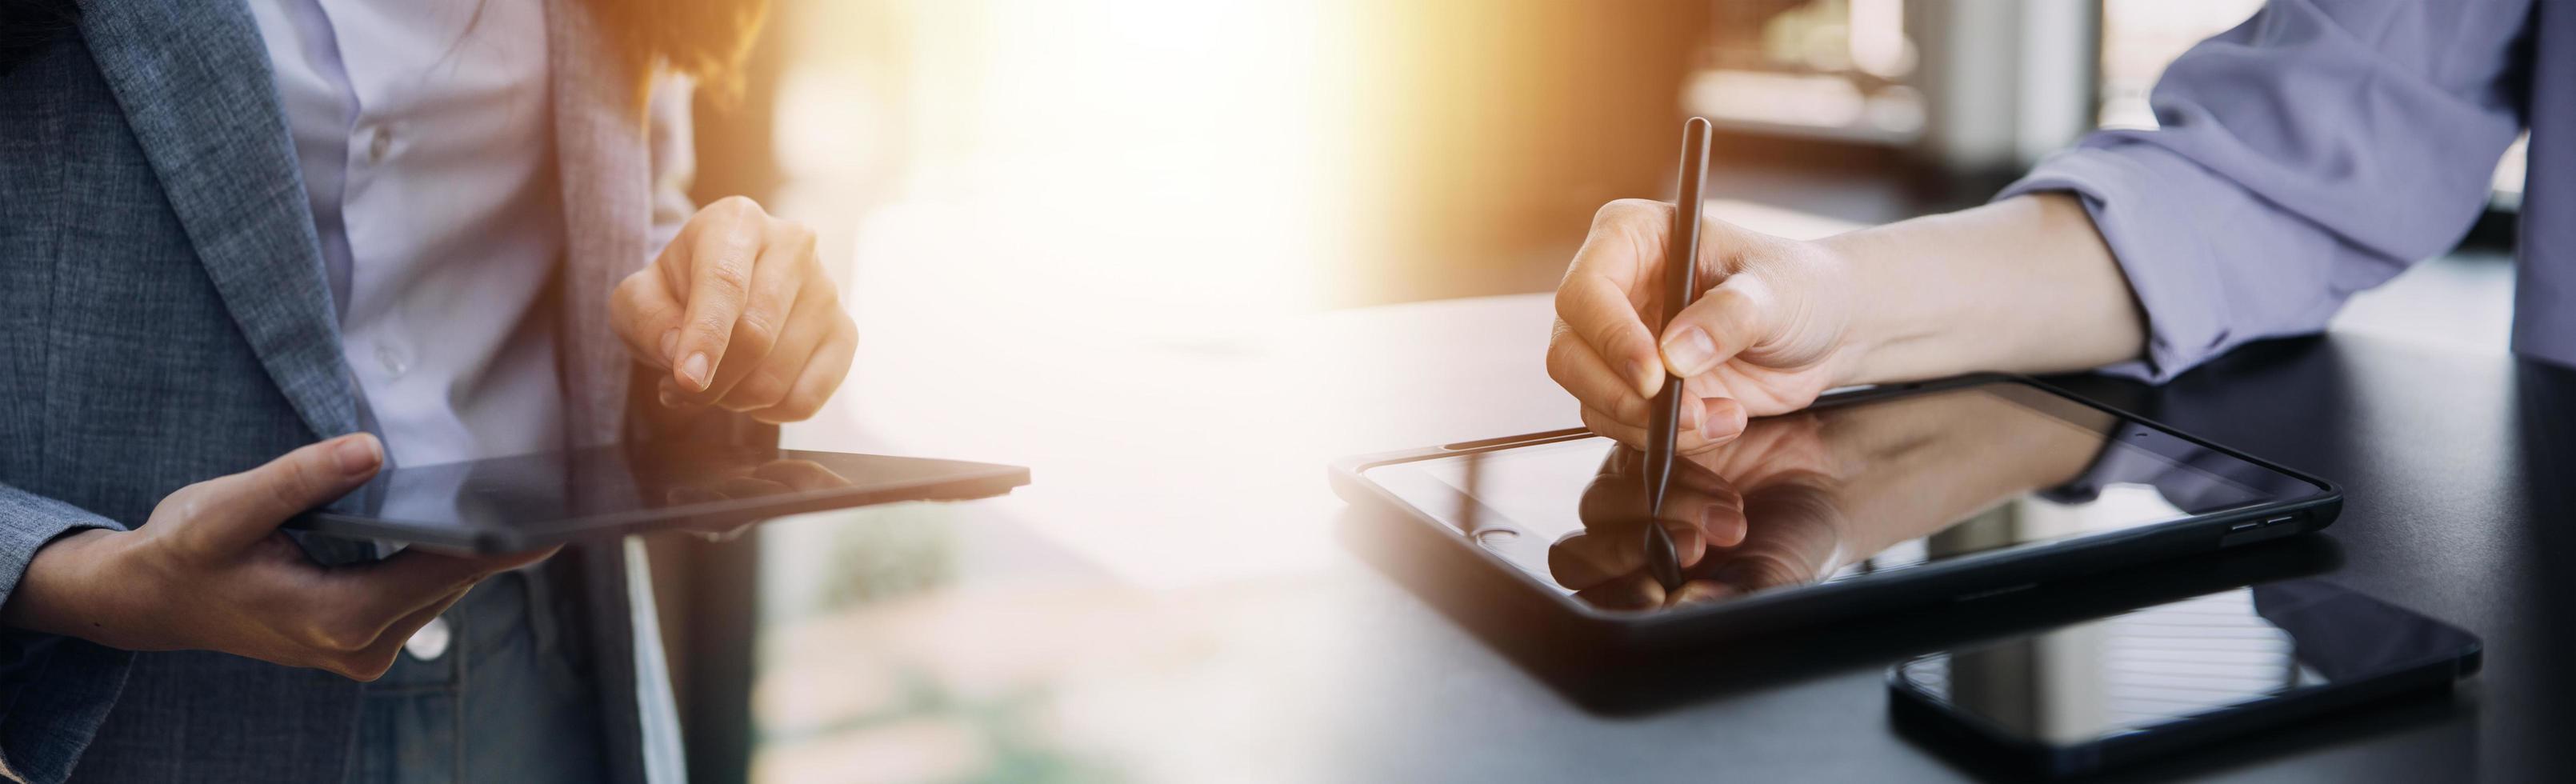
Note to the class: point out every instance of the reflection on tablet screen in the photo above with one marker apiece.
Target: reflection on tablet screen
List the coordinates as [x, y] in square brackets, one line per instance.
[1829, 494]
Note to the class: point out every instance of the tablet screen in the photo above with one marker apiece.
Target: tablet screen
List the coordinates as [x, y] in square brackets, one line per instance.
[543, 498]
[1831, 493]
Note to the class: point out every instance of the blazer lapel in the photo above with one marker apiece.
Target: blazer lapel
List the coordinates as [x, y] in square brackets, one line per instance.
[600, 160]
[194, 81]
[607, 182]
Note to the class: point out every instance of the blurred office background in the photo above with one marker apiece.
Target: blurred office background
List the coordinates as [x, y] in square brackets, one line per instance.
[1087, 235]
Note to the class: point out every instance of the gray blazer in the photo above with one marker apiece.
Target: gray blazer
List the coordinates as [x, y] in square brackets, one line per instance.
[167, 320]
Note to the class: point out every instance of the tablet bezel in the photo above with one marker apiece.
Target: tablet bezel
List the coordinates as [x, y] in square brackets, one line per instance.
[963, 481]
[1960, 577]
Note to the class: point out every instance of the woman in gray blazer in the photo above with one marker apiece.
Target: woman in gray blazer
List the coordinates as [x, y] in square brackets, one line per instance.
[250, 252]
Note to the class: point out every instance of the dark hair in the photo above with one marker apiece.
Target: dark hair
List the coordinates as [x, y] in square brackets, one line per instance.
[26, 26]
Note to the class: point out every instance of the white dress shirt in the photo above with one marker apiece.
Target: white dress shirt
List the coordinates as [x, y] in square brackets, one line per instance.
[424, 136]
[422, 131]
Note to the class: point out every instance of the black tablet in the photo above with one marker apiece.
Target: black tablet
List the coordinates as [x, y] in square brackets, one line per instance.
[524, 502]
[1869, 500]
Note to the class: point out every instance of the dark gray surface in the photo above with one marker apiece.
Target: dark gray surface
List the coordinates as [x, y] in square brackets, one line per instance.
[2454, 468]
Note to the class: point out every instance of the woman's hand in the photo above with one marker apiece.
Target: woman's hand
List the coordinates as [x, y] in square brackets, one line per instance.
[210, 571]
[738, 309]
[1766, 335]
[2020, 285]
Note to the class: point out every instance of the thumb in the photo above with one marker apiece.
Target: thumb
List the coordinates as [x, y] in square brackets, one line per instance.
[1726, 321]
[232, 512]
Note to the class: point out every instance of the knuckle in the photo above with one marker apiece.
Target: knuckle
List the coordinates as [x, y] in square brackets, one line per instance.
[714, 328]
[183, 503]
[362, 668]
[726, 280]
[757, 330]
[630, 292]
[1557, 365]
[1622, 212]
[335, 637]
[1613, 342]
[1568, 303]
[292, 486]
[1631, 409]
[739, 205]
[763, 389]
[797, 408]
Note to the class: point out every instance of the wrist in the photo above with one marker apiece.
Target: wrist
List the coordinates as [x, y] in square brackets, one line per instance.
[59, 592]
[1904, 304]
[1875, 328]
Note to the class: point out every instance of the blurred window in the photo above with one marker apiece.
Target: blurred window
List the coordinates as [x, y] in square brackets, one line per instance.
[2139, 37]
[1812, 68]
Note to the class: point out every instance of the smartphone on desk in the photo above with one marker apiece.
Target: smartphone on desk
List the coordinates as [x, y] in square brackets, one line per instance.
[2172, 678]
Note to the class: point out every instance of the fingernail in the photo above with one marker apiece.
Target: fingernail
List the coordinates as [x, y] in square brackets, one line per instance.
[695, 371]
[670, 342]
[1689, 350]
[668, 400]
[356, 454]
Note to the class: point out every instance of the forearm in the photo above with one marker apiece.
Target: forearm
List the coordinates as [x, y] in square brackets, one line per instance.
[2021, 285]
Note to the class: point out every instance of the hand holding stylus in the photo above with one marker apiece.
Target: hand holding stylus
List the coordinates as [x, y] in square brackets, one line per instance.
[1768, 333]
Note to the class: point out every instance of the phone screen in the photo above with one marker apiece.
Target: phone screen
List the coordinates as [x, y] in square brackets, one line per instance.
[2167, 664]
[1833, 493]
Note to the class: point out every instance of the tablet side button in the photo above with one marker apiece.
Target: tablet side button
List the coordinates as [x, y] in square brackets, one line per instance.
[2255, 531]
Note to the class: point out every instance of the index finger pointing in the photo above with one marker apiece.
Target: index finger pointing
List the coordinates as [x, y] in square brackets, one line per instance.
[720, 262]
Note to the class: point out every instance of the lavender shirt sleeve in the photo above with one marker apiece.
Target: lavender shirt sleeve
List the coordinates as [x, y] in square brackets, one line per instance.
[2317, 149]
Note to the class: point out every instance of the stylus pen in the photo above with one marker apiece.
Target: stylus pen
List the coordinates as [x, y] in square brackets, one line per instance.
[1681, 285]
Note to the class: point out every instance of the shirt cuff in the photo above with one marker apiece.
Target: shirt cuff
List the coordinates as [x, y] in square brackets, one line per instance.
[2141, 199]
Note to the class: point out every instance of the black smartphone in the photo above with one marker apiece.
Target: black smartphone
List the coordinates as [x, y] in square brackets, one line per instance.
[2161, 681]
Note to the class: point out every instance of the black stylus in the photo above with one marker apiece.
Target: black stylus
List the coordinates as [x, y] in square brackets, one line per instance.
[1681, 285]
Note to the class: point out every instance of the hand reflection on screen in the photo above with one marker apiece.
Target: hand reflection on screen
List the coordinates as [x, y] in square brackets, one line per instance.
[776, 477]
[1801, 496]
[1756, 513]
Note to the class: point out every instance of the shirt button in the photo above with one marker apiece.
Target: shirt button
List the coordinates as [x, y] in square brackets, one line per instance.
[392, 359]
[431, 641]
[381, 144]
